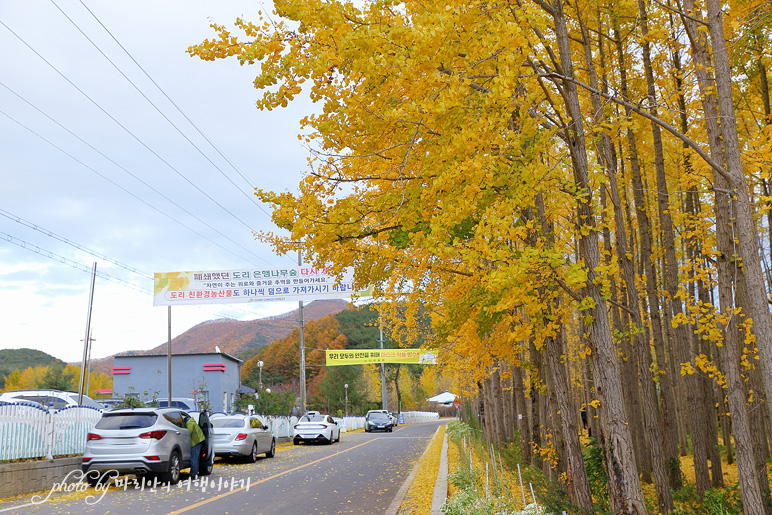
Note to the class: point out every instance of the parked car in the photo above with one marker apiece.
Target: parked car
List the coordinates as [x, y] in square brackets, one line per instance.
[394, 418]
[52, 399]
[240, 435]
[144, 441]
[111, 402]
[378, 421]
[316, 428]
[183, 403]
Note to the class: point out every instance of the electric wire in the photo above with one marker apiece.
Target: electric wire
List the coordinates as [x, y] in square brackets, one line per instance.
[122, 168]
[87, 250]
[170, 100]
[74, 264]
[78, 266]
[119, 186]
[102, 256]
[181, 133]
[125, 128]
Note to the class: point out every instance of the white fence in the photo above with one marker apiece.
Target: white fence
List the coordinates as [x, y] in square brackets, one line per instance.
[28, 431]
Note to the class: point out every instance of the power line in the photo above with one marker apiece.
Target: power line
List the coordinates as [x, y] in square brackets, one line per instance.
[130, 193]
[249, 197]
[124, 128]
[78, 266]
[72, 243]
[74, 264]
[99, 255]
[92, 147]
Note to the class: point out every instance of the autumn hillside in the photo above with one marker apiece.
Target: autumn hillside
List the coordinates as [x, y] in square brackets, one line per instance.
[13, 359]
[236, 337]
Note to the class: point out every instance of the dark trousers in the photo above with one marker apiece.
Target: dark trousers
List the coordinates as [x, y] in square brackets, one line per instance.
[195, 454]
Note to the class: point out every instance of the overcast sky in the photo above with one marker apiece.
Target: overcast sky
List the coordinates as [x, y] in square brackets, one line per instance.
[92, 172]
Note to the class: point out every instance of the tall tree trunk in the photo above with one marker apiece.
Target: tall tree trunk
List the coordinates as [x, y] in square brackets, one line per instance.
[670, 425]
[498, 404]
[726, 264]
[521, 407]
[746, 228]
[579, 486]
[625, 494]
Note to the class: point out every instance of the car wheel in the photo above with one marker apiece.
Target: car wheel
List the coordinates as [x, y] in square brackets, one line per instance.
[390, 430]
[172, 476]
[205, 469]
[296, 441]
[252, 456]
[272, 452]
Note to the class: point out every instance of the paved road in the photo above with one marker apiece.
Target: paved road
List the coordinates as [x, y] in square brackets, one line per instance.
[361, 474]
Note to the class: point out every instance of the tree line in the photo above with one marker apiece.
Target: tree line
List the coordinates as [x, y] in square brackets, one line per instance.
[407, 386]
[579, 195]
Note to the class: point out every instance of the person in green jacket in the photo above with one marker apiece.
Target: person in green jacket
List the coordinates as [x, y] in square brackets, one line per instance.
[196, 439]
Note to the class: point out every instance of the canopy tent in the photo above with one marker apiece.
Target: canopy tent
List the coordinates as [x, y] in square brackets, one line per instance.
[443, 398]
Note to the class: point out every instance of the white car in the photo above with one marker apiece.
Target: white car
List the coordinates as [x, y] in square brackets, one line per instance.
[240, 435]
[316, 427]
[50, 399]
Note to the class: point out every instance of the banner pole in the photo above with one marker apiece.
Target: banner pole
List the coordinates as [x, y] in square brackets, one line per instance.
[302, 352]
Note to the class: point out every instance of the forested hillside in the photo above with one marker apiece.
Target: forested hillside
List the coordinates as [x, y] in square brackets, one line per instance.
[13, 359]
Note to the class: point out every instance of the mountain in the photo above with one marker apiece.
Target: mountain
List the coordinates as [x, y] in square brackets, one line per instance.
[12, 359]
[233, 336]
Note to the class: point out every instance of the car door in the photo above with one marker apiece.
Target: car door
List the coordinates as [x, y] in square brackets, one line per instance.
[262, 436]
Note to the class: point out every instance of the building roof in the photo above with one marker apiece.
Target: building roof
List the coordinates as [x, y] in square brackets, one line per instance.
[223, 354]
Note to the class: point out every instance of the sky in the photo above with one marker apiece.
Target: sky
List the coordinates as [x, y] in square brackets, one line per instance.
[120, 149]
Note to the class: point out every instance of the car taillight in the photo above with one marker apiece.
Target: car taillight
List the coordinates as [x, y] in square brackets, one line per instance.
[241, 436]
[92, 436]
[86, 460]
[153, 458]
[153, 434]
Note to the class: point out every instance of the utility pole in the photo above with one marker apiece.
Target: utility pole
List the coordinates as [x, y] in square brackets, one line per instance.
[302, 354]
[87, 340]
[169, 357]
[383, 366]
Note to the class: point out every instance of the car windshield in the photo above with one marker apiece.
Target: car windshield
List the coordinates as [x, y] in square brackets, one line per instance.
[228, 422]
[379, 417]
[126, 420]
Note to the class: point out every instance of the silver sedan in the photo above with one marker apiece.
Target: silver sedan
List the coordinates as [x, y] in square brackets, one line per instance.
[241, 435]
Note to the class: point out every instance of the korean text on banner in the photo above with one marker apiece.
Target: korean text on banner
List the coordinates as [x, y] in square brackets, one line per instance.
[365, 356]
[251, 285]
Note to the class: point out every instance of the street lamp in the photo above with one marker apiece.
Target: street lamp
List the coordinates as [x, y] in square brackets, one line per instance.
[346, 387]
[260, 374]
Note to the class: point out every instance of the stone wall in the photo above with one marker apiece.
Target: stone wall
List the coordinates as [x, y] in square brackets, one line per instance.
[32, 476]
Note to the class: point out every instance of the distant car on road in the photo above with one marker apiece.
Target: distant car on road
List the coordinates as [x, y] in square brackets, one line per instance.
[378, 421]
[240, 435]
[143, 441]
[51, 399]
[316, 427]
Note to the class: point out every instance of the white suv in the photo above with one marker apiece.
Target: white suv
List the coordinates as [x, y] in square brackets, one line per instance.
[51, 399]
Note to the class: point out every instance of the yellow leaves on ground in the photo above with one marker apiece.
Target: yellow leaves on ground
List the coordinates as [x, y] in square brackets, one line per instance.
[418, 500]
